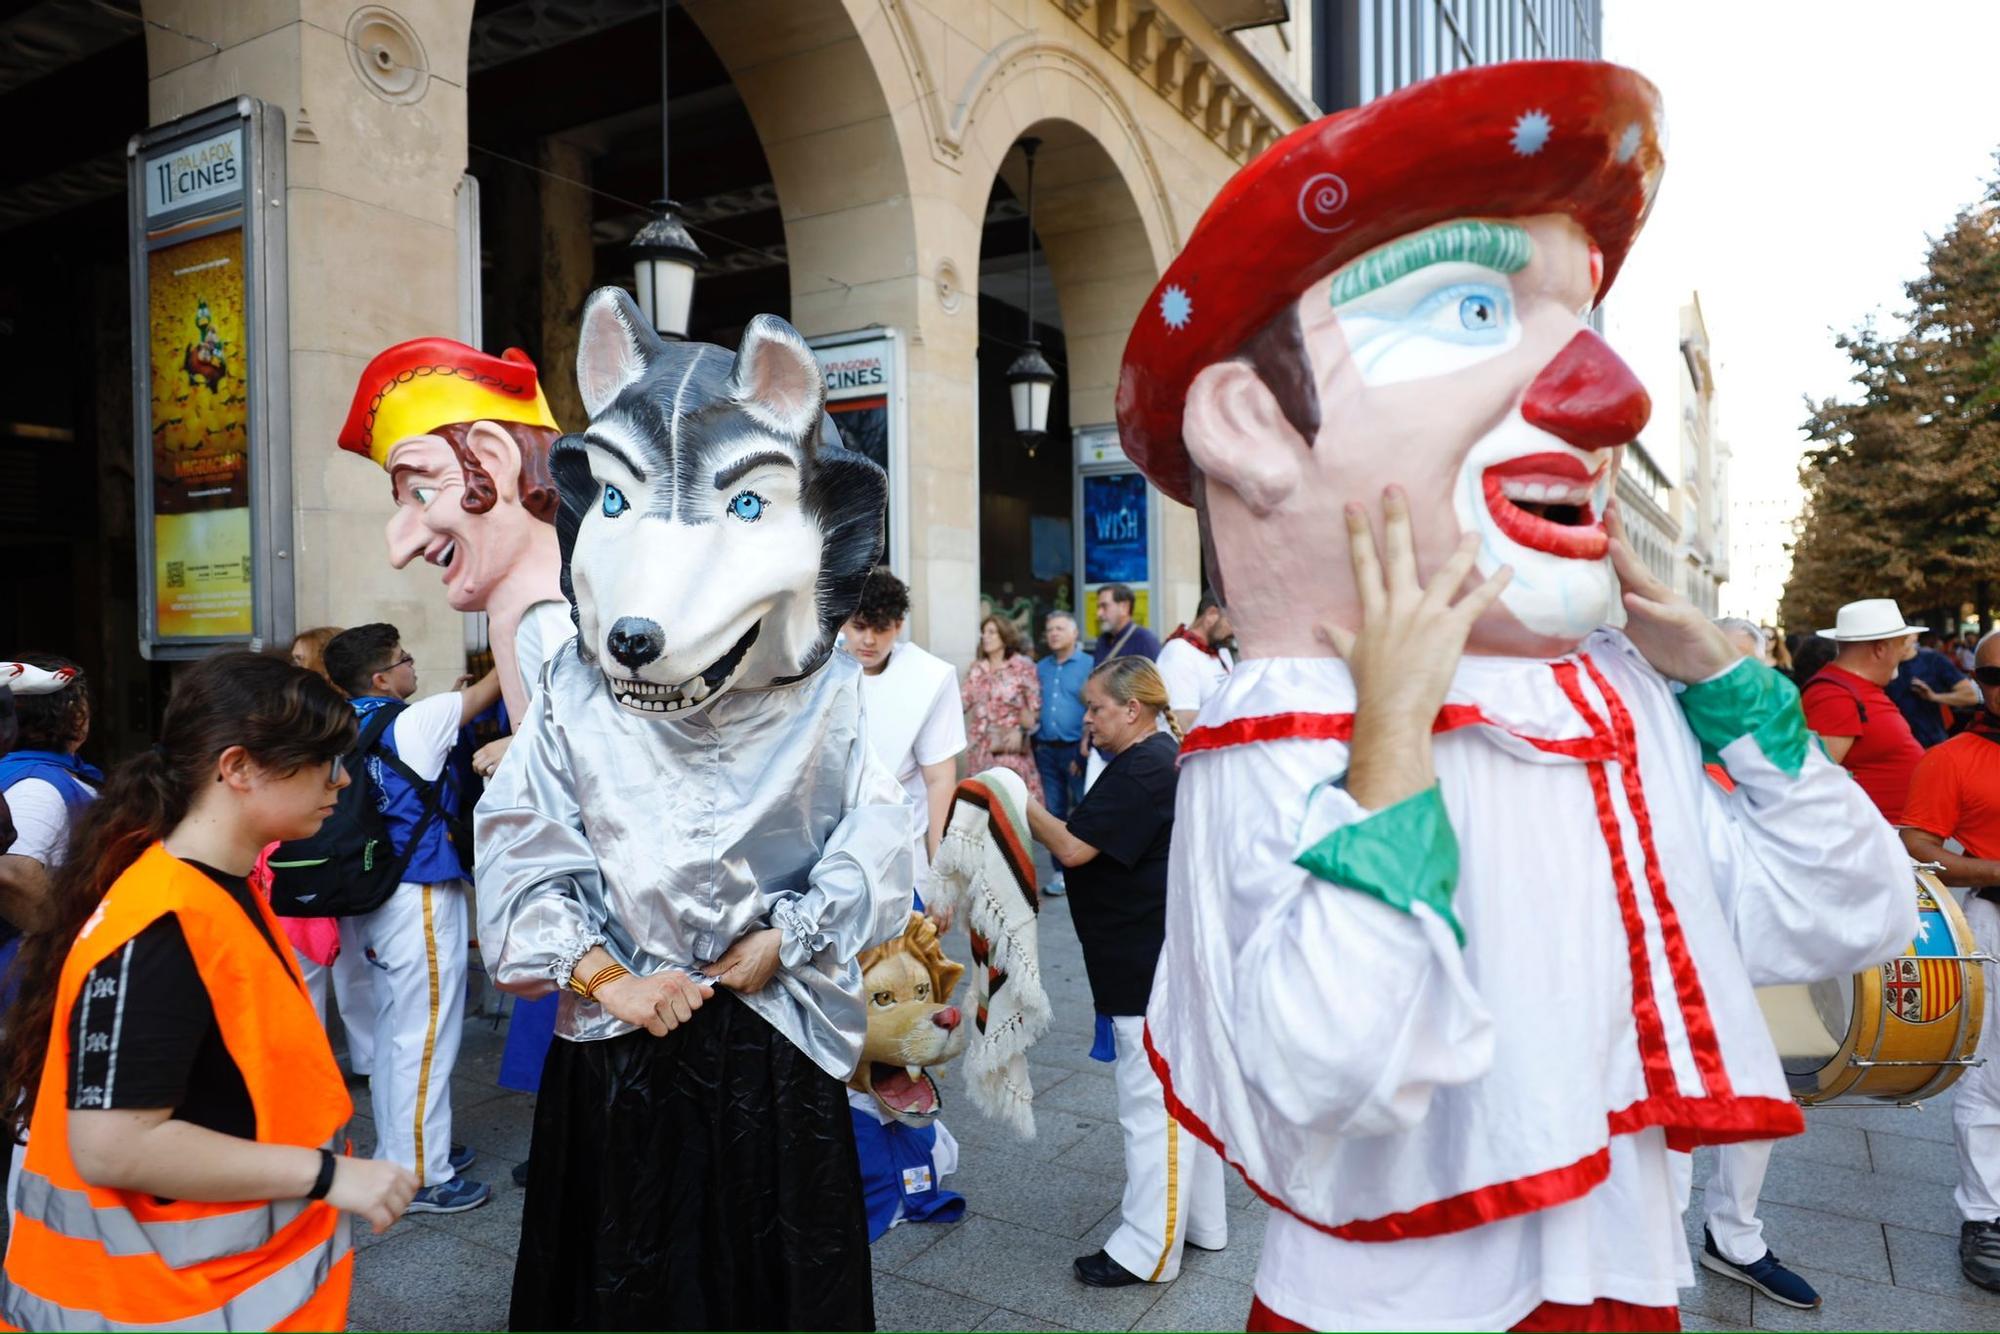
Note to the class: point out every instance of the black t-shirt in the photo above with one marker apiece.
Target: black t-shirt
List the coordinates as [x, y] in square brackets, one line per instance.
[1118, 898]
[144, 1035]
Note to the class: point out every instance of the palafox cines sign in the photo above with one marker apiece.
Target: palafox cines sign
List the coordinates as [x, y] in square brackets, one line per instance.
[197, 173]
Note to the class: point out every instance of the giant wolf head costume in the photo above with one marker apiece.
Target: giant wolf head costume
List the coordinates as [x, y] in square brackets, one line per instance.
[714, 530]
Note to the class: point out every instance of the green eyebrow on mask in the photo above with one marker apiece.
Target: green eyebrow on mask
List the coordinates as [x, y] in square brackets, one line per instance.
[1496, 245]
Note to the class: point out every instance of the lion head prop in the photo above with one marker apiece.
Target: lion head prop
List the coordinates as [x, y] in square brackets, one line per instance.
[714, 530]
[911, 1023]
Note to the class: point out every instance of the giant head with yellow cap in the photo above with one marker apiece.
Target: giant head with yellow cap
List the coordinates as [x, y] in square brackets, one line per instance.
[465, 440]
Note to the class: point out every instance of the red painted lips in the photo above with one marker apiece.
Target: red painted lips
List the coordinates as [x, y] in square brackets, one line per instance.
[1544, 502]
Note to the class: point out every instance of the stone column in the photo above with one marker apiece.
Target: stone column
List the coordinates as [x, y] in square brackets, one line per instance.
[374, 106]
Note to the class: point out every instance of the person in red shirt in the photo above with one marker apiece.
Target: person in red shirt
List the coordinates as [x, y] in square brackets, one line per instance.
[1955, 793]
[1845, 702]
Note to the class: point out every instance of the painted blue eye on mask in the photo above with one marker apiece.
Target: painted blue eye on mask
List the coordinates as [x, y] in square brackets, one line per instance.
[1451, 326]
[747, 506]
[1465, 313]
[615, 503]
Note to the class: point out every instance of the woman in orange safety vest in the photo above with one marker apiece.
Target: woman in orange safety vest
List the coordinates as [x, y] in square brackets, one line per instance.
[183, 1105]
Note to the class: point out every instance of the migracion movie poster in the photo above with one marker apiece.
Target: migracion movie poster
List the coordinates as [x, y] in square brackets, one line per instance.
[201, 432]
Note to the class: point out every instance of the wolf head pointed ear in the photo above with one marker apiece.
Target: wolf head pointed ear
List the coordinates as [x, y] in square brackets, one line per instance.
[614, 349]
[776, 379]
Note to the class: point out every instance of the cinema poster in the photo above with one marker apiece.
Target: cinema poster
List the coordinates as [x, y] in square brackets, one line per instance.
[208, 367]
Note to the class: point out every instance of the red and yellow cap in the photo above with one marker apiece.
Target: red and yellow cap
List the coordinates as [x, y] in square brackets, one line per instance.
[418, 386]
[1513, 140]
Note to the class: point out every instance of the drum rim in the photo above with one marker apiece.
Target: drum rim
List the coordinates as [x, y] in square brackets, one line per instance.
[1868, 1024]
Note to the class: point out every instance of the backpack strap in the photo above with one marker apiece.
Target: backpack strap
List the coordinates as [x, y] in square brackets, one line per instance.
[370, 742]
[1842, 686]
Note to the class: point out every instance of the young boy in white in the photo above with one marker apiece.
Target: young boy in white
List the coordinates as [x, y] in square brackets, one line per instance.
[915, 723]
[417, 939]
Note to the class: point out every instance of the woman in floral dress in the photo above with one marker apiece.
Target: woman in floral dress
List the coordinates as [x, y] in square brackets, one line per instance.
[1003, 705]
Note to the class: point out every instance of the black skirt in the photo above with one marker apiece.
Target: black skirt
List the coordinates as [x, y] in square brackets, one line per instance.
[704, 1180]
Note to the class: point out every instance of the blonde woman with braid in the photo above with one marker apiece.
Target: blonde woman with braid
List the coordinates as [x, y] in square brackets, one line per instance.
[1113, 849]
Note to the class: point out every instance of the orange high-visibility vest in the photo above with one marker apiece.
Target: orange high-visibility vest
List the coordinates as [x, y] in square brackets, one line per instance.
[84, 1257]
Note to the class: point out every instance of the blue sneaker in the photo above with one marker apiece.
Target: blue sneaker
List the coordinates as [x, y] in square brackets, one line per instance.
[462, 1157]
[453, 1197]
[1767, 1276]
[1055, 889]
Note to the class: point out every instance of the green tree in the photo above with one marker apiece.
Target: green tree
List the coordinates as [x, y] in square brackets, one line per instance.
[1902, 480]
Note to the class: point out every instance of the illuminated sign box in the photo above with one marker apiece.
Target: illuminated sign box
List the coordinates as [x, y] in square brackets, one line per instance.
[210, 365]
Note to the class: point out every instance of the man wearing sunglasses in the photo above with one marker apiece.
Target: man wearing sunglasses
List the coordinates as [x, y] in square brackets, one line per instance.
[1955, 793]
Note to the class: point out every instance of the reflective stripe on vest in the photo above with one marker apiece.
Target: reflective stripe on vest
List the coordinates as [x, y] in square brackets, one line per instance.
[180, 1242]
[88, 1257]
[262, 1305]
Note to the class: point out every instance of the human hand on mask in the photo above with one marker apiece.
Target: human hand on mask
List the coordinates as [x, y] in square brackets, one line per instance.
[1670, 632]
[659, 1004]
[750, 963]
[1405, 651]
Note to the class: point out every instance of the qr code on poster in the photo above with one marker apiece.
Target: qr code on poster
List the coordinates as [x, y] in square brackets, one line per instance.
[176, 574]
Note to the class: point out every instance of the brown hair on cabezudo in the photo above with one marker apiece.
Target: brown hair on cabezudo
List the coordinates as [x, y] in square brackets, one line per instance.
[537, 484]
[285, 717]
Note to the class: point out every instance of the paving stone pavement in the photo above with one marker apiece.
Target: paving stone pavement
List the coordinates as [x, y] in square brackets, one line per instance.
[1860, 1204]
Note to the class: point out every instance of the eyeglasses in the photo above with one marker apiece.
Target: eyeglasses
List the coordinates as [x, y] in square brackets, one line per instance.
[1986, 676]
[405, 659]
[334, 768]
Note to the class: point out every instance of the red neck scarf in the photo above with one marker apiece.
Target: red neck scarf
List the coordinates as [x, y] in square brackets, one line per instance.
[1182, 632]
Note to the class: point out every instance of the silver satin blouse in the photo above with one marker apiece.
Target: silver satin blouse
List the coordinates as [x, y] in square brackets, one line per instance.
[664, 841]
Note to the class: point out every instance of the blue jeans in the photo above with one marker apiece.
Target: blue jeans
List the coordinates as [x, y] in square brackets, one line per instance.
[1061, 787]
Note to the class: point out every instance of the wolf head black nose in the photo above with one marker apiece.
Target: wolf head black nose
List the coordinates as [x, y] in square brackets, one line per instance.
[634, 641]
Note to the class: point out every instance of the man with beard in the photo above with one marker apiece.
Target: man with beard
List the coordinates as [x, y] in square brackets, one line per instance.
[1955, 794]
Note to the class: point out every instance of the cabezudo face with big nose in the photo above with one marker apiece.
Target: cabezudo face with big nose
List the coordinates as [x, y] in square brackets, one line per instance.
[1458, 363]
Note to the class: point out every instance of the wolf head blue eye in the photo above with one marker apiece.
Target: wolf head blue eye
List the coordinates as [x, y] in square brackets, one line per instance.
[615, 503]
[747, 506]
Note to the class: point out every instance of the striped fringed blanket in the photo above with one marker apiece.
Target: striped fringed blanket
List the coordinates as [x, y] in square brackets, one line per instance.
[985, 873]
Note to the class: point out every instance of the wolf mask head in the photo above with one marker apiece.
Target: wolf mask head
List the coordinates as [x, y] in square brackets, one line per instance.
[714, 531]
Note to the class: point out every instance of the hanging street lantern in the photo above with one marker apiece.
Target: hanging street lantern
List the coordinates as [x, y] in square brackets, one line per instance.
[664, 260]
[1031, 380]
[664, 256]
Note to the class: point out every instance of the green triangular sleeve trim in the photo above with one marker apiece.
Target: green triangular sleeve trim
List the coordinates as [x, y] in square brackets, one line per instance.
[1403, 855]
[1750, 700]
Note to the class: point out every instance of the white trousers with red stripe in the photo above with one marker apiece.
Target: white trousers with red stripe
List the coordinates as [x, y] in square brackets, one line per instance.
[418, 940]
[1173, 1182]
[1975, 1103]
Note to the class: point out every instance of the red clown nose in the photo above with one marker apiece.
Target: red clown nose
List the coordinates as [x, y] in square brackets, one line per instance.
[1588, 396]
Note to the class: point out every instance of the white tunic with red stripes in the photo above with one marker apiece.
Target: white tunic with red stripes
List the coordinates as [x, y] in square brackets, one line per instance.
[1436, 1124]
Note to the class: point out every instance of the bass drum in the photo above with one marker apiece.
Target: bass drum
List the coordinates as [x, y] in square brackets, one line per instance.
[1901, 1032]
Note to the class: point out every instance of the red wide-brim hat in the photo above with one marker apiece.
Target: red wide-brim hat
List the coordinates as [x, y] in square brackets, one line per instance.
[1500, 141]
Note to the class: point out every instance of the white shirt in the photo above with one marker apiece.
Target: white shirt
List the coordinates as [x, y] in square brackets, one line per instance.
[41, 820]
[914, 718]
[545, 628]
[1191, 676]
[1508, 1078]
[424, 733]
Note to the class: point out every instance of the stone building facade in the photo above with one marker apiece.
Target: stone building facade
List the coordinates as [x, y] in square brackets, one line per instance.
[884, 123]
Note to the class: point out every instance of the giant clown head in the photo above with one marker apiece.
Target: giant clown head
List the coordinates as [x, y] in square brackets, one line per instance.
[465, 439]
[1400, 294]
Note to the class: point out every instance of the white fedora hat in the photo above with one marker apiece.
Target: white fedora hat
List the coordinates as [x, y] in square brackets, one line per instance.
[1870, 618]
